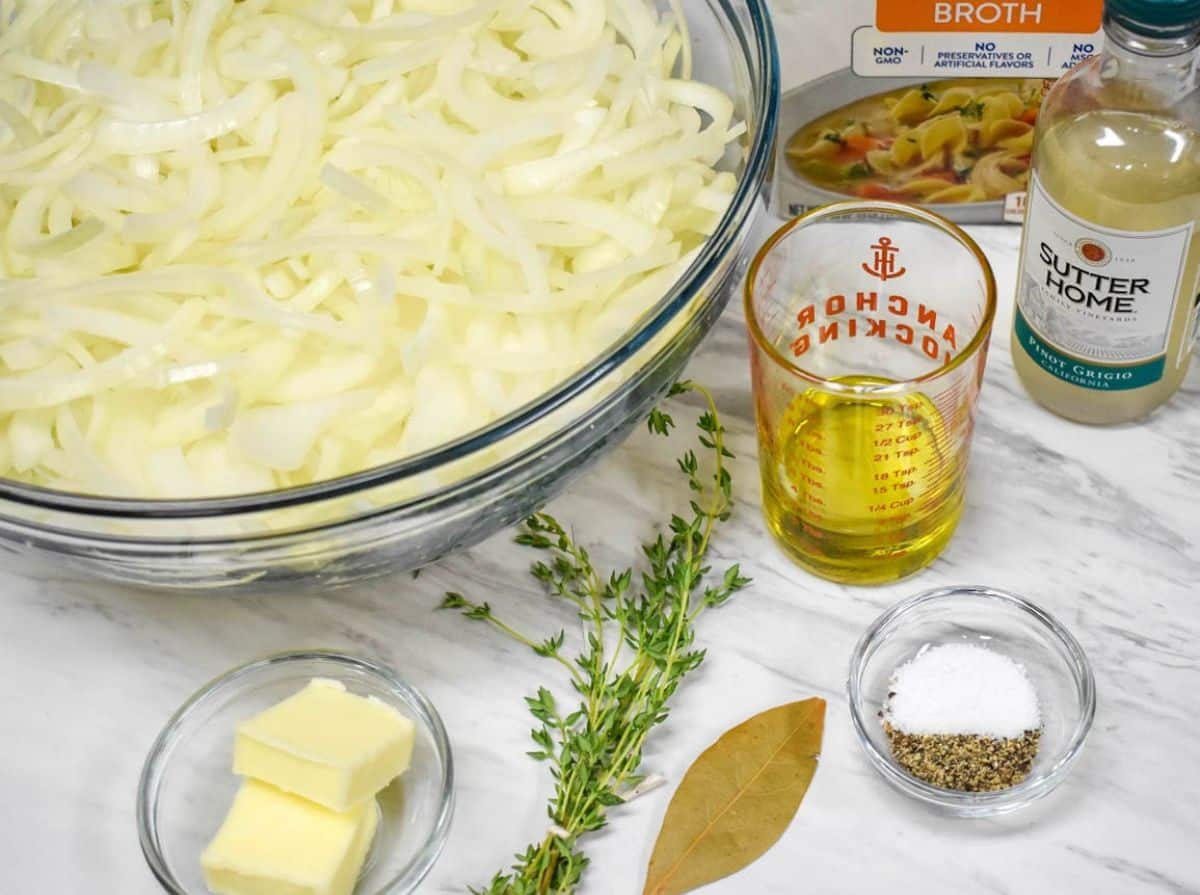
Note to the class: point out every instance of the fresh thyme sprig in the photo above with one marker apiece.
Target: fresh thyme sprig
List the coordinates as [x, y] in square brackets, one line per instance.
[638, 644]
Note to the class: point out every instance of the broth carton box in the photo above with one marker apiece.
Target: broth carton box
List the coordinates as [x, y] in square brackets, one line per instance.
[927, 101]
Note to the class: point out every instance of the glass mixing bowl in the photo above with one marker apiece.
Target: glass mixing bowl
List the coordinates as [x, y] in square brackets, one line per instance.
[411, 512]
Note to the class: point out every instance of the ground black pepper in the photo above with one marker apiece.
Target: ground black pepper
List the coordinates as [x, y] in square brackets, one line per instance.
[965, 762]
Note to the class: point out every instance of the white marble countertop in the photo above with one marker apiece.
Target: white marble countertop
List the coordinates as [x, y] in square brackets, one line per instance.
[1100, 527]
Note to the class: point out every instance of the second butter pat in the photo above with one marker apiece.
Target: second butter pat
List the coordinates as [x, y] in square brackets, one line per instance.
[325, 744]
[273, 843]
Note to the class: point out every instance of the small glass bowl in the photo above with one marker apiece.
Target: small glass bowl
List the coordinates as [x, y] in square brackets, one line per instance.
[1008, 624]
[187, 782]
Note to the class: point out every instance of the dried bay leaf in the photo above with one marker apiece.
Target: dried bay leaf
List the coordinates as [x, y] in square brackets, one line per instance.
[737, 798]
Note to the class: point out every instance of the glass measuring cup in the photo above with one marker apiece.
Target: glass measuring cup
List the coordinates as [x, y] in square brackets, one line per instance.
[869, 325]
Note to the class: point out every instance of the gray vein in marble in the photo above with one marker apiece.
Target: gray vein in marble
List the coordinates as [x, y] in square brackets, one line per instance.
[1144, 875]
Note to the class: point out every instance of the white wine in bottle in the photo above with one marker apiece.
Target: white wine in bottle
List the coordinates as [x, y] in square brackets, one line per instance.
[1109, 281]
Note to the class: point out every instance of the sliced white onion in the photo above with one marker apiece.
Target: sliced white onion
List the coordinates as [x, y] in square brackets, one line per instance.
[249, 245]
[141, 137]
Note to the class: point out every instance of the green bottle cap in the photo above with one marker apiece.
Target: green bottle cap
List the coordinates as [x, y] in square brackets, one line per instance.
[1159, 18]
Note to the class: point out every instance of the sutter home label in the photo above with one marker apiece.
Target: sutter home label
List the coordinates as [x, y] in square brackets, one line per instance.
[1095, 305]
[977, 38]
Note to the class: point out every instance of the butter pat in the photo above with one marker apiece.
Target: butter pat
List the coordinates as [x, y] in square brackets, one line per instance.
[327, 745]
[273, 843]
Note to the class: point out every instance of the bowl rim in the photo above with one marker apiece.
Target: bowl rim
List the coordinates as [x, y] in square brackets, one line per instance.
[149, 782]
[972, 804]
[755, 48]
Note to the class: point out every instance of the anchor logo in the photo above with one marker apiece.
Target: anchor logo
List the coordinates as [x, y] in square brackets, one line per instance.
[885, 261]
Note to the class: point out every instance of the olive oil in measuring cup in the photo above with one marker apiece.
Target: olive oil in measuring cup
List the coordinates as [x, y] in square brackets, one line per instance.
[869, 324]
[865, 487]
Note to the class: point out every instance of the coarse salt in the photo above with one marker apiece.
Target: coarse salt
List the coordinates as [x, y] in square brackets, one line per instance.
[960, 688]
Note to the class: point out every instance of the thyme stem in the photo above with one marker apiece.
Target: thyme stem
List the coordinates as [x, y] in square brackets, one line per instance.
[596, 750]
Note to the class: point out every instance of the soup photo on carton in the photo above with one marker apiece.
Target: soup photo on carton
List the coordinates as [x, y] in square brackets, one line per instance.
[933, 102]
